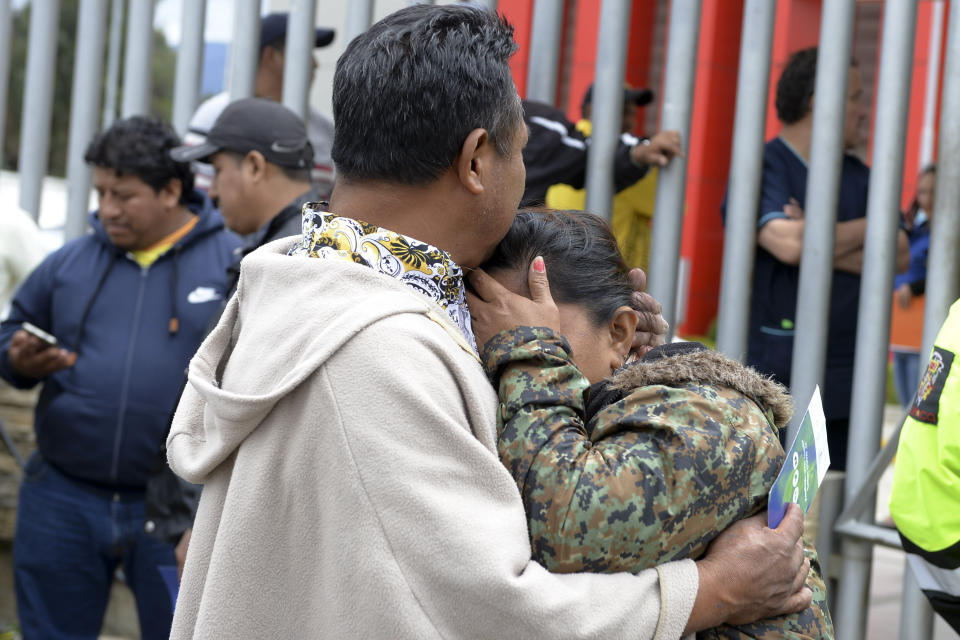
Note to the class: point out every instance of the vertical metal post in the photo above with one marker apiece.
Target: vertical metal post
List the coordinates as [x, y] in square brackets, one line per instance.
[677, 106]
[298, 58]
[916, 614]
[113, 64]
[6, 24]
[928, 131]
[746, 166]
[138, 59]
[943, 271]
[244, 49]
[359, 18]
[37, 102]
[545, 51]
[186, 87]
[823, 187]
[84, 110]
[607, 104]
[876, 285]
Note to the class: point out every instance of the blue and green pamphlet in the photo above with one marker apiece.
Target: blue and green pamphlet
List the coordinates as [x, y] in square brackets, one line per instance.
[807, 461]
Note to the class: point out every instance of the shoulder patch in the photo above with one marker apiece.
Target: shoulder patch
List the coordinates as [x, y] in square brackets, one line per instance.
[926, 403]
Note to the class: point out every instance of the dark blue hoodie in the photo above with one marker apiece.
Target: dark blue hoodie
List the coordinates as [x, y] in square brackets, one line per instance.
[134, 329]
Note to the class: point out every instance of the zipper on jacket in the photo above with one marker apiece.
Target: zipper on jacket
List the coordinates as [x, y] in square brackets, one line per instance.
[128, 366]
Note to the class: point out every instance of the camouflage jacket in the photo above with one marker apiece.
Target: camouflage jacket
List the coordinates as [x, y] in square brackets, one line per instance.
[646, 468]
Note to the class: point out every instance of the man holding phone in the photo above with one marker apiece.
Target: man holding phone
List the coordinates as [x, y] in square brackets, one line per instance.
[107, 323]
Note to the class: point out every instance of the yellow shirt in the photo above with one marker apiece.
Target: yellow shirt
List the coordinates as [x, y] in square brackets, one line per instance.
[146, 257]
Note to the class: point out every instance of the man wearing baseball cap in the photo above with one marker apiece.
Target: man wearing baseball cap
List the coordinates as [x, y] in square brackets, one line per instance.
[269, 85]
[261, 158]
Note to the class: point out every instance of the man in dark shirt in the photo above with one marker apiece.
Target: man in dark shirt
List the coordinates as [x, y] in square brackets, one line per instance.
[780, 224]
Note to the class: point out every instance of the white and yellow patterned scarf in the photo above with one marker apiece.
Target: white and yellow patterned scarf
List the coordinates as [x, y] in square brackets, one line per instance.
[418, 265]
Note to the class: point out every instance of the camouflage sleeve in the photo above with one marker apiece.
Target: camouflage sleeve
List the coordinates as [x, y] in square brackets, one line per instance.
[653, 477]
[573, 488]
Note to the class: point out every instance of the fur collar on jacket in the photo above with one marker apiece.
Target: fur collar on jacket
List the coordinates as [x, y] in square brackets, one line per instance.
[695, 364]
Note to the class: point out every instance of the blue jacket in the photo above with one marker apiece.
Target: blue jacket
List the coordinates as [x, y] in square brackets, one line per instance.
[916, 273]
[104, 419]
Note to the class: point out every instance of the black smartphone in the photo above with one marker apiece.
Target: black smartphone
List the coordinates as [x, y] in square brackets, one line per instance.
[36, 331]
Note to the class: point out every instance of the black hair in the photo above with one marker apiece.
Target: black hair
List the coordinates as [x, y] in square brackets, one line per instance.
[795, 86]
[140, 146]
[297, 174]
[408, 91]
[584, 263]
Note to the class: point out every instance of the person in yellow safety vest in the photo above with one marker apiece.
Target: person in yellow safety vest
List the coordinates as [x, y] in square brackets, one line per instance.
[925, 499]
[632, 217]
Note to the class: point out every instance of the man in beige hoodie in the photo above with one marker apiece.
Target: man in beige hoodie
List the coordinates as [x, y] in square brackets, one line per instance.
[340, 420]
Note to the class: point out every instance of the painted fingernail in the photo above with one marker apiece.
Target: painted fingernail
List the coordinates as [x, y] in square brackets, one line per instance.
[538, 265]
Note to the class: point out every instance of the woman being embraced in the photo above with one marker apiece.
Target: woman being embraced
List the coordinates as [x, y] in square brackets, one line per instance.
[623, 462]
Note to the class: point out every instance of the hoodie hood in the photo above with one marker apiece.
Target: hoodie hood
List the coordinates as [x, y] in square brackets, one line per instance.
[289, 315]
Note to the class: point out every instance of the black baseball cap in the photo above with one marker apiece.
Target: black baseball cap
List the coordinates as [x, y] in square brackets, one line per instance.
[638, 97]
[255, 124]
[273, 30]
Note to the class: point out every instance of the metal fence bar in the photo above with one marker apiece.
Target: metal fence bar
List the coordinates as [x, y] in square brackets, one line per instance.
[675, 112]
[298, 60]
[823, 184]
[244, 48]
[359, 18]
[37, 102]
[916, 614]
[545, 36]
[876, 286]
[84, 110]
[607, 103]
[943, 270]
[113, 64]
[138, 59]
[928, 131]
[746, 166]
[6, 25]
[186, 86]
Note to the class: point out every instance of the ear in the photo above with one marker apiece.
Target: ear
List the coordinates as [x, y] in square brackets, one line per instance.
[254, 166]
[622, 326]
[170, 193]
[473, 162]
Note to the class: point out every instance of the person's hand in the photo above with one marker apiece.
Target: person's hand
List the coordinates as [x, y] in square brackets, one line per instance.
[903, 295]
[752, 572]
[31, 357]
[180, 552]
[793, 210]
[651, 327]
[659, 150]
[494, 308]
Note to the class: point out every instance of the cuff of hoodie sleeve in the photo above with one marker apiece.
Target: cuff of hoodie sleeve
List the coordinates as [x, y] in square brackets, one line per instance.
[679, 582]
[523, 344]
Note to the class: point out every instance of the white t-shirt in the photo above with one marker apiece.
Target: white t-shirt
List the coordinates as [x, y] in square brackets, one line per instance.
[319, 130]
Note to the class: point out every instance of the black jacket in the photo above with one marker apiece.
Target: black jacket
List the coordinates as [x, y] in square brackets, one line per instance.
[556, 153]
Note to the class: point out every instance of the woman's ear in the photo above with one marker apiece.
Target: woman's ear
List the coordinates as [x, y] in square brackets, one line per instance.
[622, 326]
